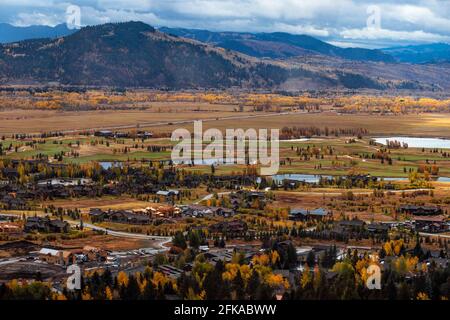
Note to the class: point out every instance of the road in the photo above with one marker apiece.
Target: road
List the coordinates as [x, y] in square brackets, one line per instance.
[160, 241]
[4, 262]
[209, 196]
[424, 234]
[171, 123]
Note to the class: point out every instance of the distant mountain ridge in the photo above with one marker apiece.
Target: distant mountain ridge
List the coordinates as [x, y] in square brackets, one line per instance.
[130, 54]
[134, 54]
[10, 33]
[426, 53]
[277, 45]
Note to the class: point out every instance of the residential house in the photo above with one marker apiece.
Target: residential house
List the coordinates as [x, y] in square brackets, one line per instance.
[420, 210]
[9, 228]
[44, 224]
[380, 228]
[431, 224]
[354, 225]
[57, 257]
[229, 227]
[304, 214]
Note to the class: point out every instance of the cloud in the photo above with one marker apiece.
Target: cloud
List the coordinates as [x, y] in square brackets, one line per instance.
[301, 29]
[386, 34]
[402, 21]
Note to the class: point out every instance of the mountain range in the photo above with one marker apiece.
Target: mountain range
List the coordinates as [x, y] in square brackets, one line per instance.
[10, 33]
[277, 45]
[427, 53]
[134, 54]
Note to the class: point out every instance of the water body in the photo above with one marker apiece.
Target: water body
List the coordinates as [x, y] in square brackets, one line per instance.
[212, 161]
[394, 178]
[308, 178]
[431, 143]
[296, 140]
[109, 164]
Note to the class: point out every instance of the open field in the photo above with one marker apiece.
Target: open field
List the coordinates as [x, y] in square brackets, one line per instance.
[169, 116]
[36, 121]
[431, 125]
[117, 203]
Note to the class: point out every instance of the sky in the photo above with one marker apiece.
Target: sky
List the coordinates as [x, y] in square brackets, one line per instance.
[348, 23]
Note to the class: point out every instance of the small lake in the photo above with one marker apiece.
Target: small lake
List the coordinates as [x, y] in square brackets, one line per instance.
[308, 178]
[211, 161]
[109, 164]
[311, 178]
[296, 140]
[431, 143]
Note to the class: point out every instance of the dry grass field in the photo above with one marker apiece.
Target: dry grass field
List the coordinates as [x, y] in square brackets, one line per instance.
[166, 116]
[36, 121]
[432, 125]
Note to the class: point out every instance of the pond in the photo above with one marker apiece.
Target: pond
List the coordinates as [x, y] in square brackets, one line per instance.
[211, 161]
[296, 140]
[412, 142]
[308, 178]
[109, 164]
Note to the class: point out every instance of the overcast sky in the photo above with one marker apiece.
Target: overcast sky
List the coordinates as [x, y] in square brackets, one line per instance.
[344, 22]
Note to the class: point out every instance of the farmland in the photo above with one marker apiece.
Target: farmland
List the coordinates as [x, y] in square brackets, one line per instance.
[91, 175]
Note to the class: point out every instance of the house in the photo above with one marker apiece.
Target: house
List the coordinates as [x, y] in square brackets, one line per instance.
[354, 225]
[170, 271]
[9, 228]
[162, 211]
[168, 195]
[431, 224]
[420, 210]
[204, 211]
[44, 224]
[94, 253]
[104, 133]
[11, 202]
[381, 228]
[119, 216]
[57, 257]
[144, 134]
[229, 227]
[304, 214]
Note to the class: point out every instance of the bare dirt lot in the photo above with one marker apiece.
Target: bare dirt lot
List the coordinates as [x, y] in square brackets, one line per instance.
[120, 203]
[31, 270]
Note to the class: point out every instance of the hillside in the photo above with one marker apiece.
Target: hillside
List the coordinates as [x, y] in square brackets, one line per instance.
[427, 53]
[134, 54]
[128, 54]
[278, 45]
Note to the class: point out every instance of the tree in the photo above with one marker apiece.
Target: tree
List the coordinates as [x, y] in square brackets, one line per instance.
[239, 286]
[179, 240]
[311, 259]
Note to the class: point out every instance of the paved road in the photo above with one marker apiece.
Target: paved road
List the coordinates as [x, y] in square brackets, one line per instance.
[161, 241]
[168, 123]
